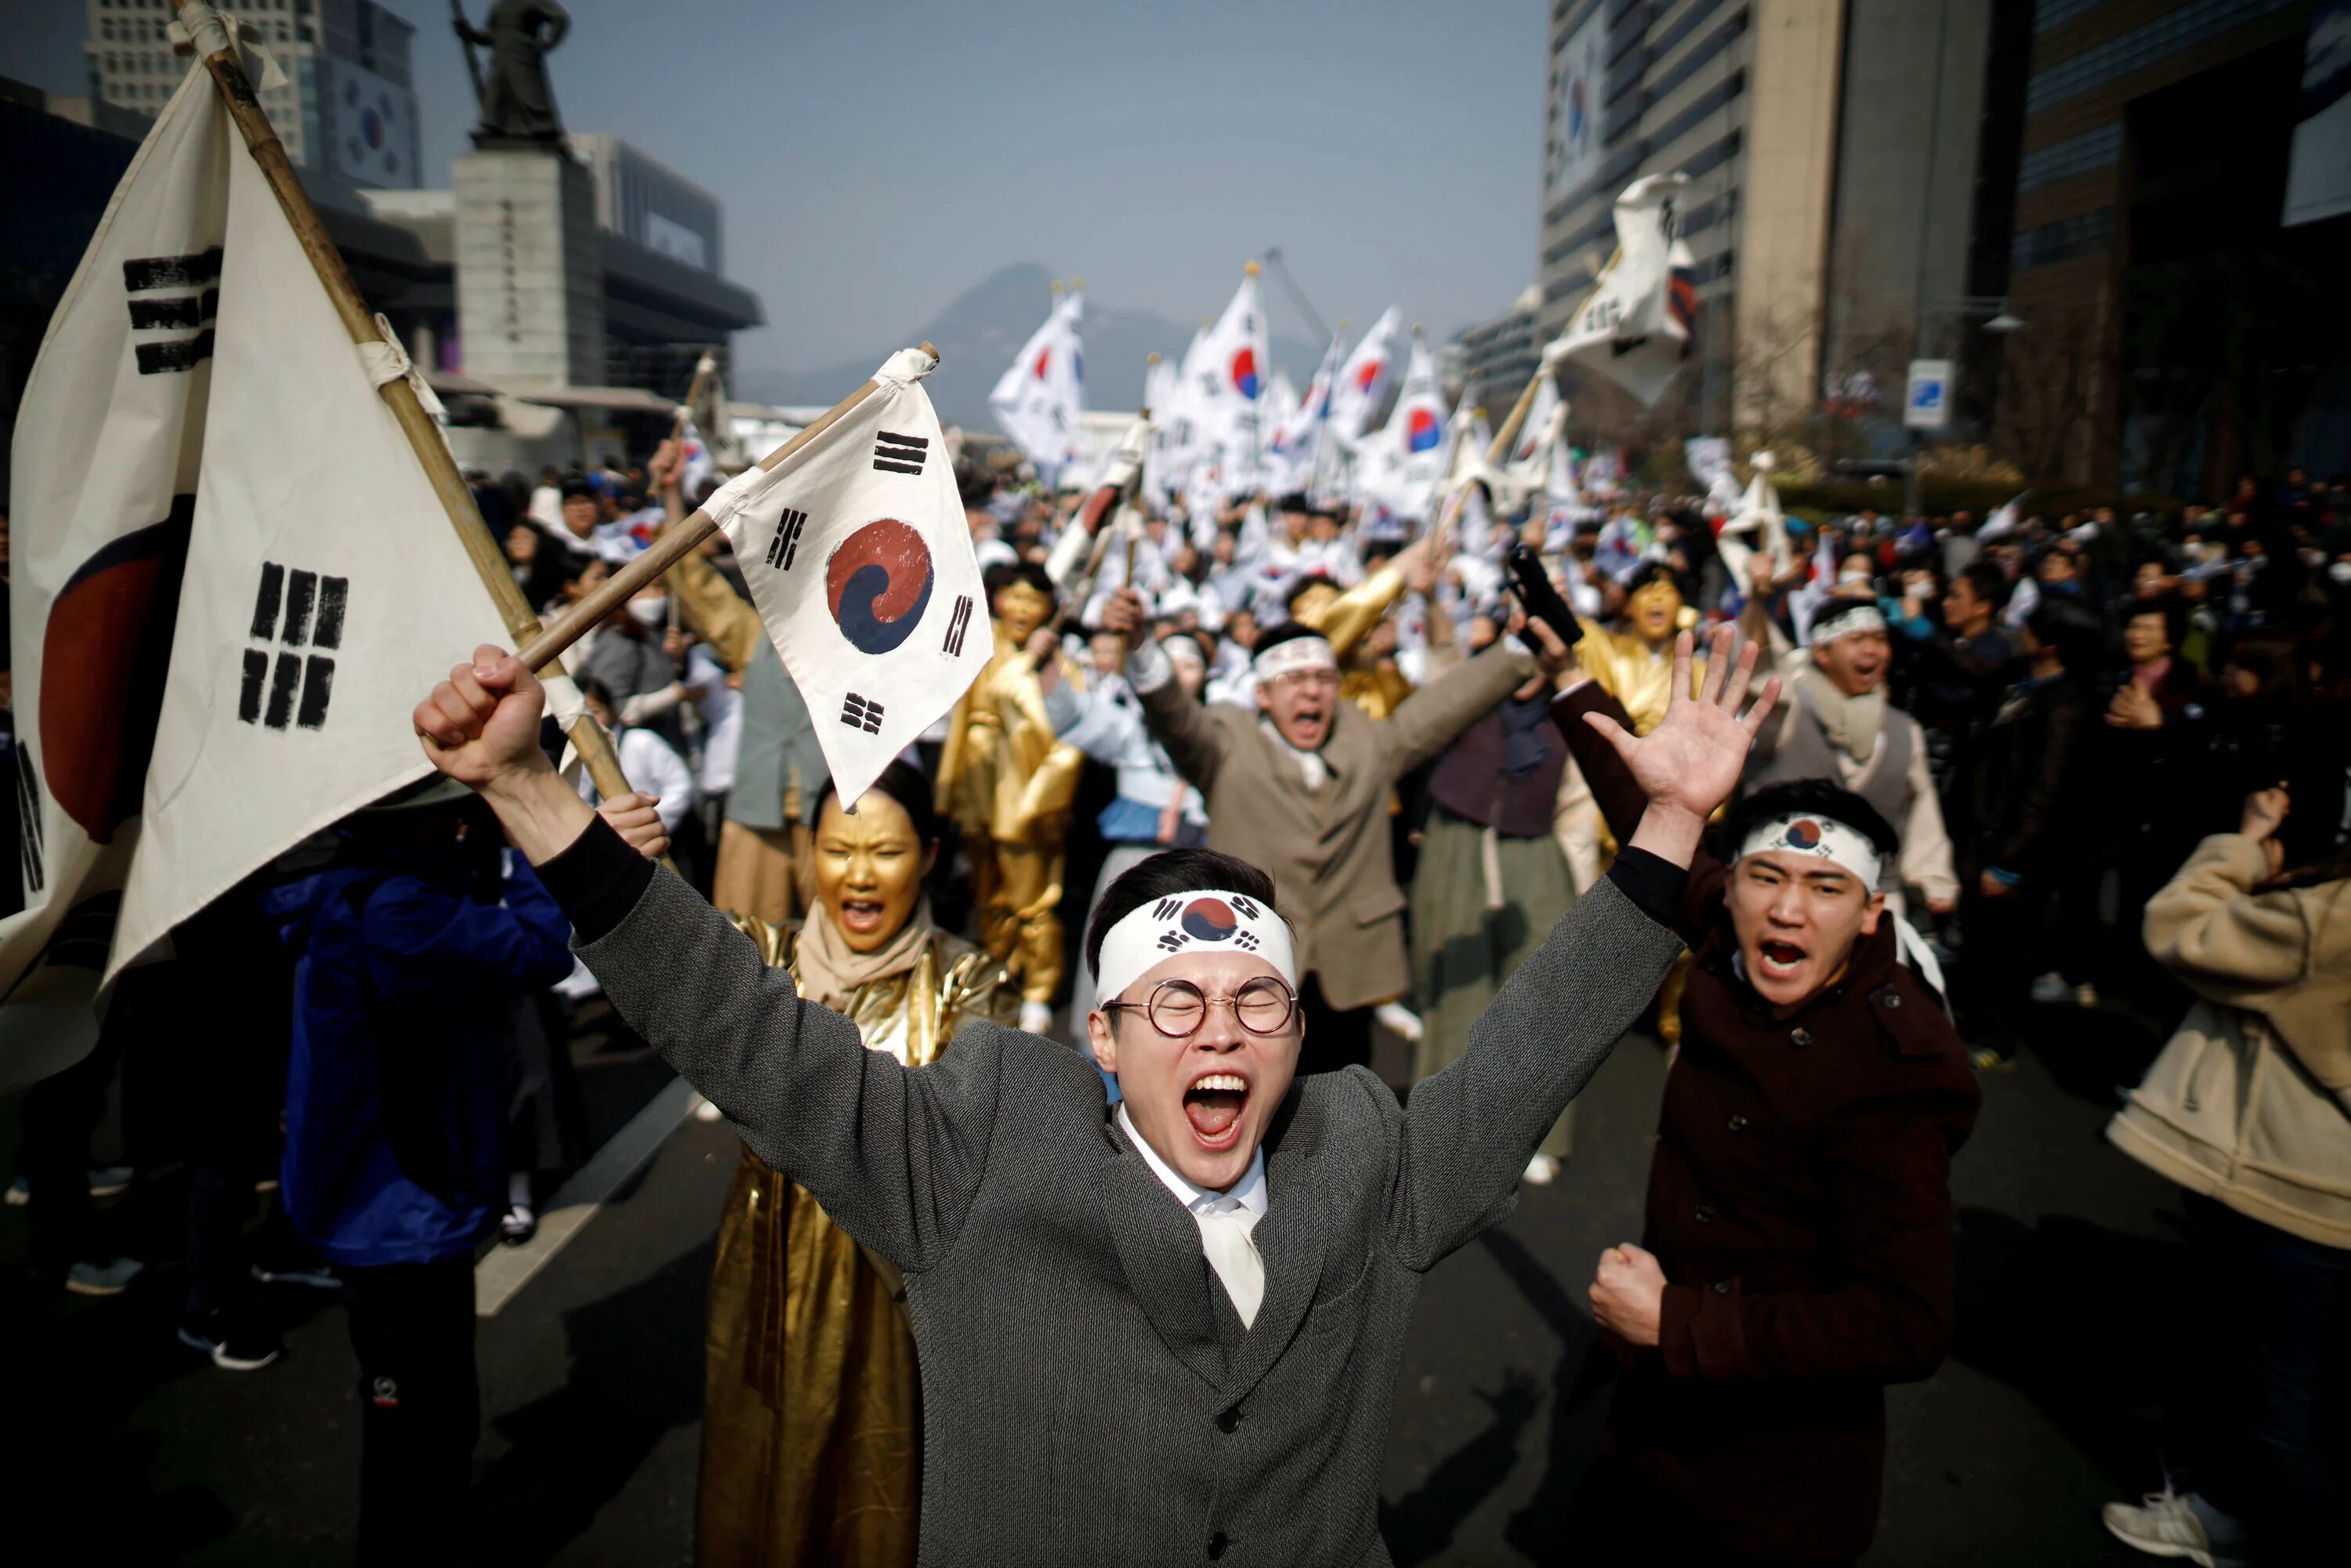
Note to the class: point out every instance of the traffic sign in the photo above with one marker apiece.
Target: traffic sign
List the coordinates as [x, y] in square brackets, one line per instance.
[1926, 401]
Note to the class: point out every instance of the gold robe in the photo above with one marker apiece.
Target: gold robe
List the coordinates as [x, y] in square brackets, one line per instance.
[811, 1444]
[1007, 780]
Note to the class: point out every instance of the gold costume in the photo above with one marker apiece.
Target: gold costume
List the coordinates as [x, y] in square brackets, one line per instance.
[812, 1417]
[1635, 666]
[1345, 619]
[1007, 782]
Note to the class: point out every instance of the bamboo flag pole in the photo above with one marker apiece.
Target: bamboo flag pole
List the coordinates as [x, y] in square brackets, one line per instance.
[220, 60]
[673, 544]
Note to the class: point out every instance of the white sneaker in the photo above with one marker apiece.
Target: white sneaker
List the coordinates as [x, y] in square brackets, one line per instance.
[1542, 1170]
[1036, 1018]
[2164, 1525]
[1399, 1021]
[2050, 990]
[704, 1111]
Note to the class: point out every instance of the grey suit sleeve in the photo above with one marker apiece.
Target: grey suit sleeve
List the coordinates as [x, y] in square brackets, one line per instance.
[1470, 1131]
[896, 1156]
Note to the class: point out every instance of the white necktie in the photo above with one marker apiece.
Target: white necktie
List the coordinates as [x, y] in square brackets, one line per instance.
[1225, 1226]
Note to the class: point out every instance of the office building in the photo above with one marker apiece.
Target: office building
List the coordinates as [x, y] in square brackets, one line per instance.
[345, 108]
[2183, 207]
[1845, 161]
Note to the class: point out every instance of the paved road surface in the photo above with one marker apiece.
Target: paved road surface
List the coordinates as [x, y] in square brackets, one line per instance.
[2073, 1309]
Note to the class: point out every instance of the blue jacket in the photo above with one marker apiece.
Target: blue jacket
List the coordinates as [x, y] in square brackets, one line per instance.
[394, 1096]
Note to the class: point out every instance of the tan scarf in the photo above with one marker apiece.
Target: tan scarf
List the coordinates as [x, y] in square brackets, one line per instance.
[832, 974]
[1849, 723]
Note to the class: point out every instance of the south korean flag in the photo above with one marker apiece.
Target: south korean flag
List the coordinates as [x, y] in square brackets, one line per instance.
[859, 561]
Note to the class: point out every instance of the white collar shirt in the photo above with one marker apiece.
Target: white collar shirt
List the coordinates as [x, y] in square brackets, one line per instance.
[1249, 1192]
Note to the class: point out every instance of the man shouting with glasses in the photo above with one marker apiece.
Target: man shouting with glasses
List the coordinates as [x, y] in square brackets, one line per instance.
[1111, 1375]
[1301, 785]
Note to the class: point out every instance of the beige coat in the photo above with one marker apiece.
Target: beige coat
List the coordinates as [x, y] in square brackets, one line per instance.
[1327, 848]
[2250, 1102]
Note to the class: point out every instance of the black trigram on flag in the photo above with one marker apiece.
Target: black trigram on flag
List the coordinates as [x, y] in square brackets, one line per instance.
[862, 713]
[959, 619]
[1165, 909]
[292, 688]
[900, 454]
[1174, 941]
[787, 542]
[177, 294]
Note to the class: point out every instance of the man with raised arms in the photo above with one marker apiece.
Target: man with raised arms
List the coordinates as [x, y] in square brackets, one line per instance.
[1167, 1333]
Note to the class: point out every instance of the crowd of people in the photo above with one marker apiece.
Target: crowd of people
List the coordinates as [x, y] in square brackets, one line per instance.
[2012, 768]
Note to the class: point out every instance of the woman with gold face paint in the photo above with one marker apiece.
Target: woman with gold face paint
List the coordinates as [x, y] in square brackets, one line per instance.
[811, 1447]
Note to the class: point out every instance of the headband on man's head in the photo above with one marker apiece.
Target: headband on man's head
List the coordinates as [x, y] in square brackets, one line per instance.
[1822, 838]
[1294, 653]
[1844, 622]
[1207, 921]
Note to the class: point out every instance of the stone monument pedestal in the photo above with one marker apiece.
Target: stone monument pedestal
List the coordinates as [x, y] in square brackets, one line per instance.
[531, 270]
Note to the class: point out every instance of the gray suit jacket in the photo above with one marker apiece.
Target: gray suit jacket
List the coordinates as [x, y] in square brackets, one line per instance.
[1089, 1396]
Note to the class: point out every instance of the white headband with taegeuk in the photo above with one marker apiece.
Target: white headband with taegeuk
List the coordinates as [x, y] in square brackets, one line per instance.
[1295, 654]
[1206, 921]
[1823, 838]
[1844, 622]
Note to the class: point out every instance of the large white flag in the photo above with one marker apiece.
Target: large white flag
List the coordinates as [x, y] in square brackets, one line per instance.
[1230, 383]
[1636, 326]
[1041, 393]
[1365, 378]
[1163, 460]
[232, 579]
[858, 556]
[1755, 528]
[1536, 433]
[1413, 452]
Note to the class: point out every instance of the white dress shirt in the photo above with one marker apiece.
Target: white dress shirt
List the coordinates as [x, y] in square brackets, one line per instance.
[1244, 1280]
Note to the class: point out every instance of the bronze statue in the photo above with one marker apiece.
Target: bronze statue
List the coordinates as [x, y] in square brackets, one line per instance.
[517, 104]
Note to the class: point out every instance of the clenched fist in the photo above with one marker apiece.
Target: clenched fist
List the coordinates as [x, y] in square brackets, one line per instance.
[480, 727]
[1628, 1294]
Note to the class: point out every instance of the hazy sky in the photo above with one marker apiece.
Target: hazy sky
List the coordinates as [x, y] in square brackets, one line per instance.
[878, 157]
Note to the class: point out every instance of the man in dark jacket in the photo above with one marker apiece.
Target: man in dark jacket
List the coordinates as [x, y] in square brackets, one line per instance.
[1797, 1255]
[2023, 792]
[408, 943]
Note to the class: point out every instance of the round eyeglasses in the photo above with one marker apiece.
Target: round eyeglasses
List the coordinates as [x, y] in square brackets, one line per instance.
[1178, 1008]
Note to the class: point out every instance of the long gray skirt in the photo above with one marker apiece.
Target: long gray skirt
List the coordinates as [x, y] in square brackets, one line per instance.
[1463, 951]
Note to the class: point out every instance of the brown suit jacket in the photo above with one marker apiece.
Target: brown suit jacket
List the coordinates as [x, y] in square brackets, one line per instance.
[1800, 1204]
[1327, 848]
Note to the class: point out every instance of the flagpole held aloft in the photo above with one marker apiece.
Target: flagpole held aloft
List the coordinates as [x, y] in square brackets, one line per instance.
[673, 544]
[214, 47]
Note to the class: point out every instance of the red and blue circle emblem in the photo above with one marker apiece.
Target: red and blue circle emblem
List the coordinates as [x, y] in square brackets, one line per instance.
[1209, 920]
[1369, 373]
[877, 583]
[1803, 835]
[1244, 372]
[1420, 431]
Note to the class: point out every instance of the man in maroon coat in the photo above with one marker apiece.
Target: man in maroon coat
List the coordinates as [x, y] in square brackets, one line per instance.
[1798, 1251]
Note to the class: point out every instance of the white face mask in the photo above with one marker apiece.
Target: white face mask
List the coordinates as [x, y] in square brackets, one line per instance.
[649, 612]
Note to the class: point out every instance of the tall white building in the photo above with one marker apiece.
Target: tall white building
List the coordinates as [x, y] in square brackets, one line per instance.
[347, 108]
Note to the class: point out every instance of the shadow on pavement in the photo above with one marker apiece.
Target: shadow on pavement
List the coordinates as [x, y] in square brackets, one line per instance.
[574, 1451]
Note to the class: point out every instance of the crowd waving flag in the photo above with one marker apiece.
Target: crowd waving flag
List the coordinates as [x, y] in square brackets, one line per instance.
[1413, 450]
[1231, 384]
[1636, 326]
[231, 580]
[1039, 398]
[860, 562]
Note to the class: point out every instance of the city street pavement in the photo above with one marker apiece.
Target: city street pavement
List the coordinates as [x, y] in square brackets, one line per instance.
[2074, 1314]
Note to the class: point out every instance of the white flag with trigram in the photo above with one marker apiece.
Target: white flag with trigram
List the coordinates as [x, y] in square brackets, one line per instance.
[232, 578]
[1636, 326]
[859, 559]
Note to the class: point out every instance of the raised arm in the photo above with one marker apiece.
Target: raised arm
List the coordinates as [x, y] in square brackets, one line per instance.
[895, 1155]
[1469, 1131]
[1194, 741]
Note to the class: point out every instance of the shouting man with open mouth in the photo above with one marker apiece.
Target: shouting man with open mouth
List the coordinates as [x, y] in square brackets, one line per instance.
[1167, 1333]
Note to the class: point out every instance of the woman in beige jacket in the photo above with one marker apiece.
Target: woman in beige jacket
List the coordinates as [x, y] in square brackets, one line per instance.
[2249, 1108]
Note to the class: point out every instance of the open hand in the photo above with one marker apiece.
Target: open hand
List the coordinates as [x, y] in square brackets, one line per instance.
[1690, 763]
[480, 727]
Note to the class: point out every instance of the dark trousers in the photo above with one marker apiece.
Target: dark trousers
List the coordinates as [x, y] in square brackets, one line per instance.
[59, 1114]
[2002, 953]
[2279, 1323]
[1334, 1038]
[420, 1405]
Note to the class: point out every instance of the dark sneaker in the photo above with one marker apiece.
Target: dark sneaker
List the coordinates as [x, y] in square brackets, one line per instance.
[233, 1347]
[519, 1225]
[105, 1181]
[105, 1277]
[303, 1271]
